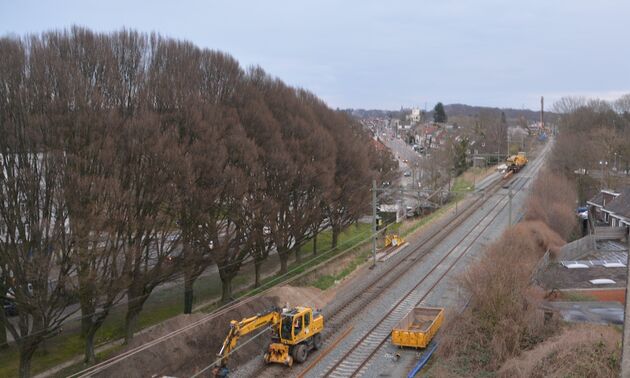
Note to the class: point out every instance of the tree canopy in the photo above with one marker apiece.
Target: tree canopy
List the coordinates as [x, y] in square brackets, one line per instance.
[439, 115]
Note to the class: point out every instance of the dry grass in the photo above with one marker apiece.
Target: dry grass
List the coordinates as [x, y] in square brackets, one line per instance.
[552, 201]
[582, 350]
[502, 318]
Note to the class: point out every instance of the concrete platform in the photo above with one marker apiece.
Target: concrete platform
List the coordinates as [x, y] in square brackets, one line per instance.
[389, 252]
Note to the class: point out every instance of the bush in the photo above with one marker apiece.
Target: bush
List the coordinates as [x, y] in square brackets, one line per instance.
[582, 350]
[552, 201]
[502, 318]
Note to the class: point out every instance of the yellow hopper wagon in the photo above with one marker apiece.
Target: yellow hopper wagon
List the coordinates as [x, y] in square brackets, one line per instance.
[418, 327]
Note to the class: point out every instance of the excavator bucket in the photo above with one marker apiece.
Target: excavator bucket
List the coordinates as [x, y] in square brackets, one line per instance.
[278, 353]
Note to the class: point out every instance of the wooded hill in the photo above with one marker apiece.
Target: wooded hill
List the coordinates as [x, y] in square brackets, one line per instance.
[461, 110]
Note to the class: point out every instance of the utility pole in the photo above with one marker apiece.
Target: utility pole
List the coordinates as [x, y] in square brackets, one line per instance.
[542, 112]
[625, 342]
[510, 207]
[373, 224]
[413, 176]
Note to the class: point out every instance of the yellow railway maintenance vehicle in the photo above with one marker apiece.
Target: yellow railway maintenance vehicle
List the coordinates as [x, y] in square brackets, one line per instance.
[392, 240]
[516, 162]
[295, 332]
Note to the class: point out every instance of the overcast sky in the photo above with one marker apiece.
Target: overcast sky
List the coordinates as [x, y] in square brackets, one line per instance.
[385, 54]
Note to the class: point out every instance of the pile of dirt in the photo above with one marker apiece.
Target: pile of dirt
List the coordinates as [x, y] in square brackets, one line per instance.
[291, 296]
[193, 350]
[581, 351]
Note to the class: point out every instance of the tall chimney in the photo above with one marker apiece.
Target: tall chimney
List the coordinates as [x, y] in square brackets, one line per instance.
[542, 112]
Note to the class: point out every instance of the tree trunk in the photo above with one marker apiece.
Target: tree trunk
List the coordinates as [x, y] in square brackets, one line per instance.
[335, 236]
[134, 307]
[3, 332]
[315, 245]
[188, 293]
[89, 355]
[226, 292]
[26, 355]
[86, 322]
[283, 256]
[257, 266]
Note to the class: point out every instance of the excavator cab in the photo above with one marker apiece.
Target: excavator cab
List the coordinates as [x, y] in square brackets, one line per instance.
[299, 324]
[299, 332]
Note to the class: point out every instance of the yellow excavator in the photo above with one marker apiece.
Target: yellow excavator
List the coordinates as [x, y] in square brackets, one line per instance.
[295, 332]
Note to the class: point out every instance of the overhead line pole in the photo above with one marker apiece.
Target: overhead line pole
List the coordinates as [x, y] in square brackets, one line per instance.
[625, 341]
[373, 223]
[510, 207]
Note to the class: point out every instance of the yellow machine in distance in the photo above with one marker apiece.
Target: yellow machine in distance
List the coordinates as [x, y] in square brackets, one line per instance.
[393, 240]
[516, 162]
[295, 332]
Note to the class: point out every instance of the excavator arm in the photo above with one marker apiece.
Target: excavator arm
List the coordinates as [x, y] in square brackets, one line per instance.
[245, 326]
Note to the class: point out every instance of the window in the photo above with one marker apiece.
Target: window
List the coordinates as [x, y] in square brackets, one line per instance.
[285, 330]
[307, 319]
[297, 325]
[615, 265]
[576, 266]
[602, 281]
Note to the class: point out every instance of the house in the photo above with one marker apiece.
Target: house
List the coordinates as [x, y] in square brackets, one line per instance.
[586, 280]
[618, 210]
[415, 115]
[610, 208]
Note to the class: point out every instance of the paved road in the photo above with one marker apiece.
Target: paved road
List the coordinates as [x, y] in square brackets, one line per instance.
[409, 162]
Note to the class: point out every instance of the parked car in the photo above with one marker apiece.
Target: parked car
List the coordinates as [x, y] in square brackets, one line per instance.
[407, 174]
[8, 304]
[9, 308]
[582, 212]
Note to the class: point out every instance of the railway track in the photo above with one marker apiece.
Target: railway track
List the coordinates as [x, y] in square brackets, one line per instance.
[340, 314]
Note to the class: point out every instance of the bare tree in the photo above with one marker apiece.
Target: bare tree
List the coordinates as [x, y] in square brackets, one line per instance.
[622, 104]
[148, 164]
[569, 104]
[349, 198]
[35, 248]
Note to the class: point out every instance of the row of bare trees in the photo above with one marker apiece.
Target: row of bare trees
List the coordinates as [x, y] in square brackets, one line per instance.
[127, 160]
